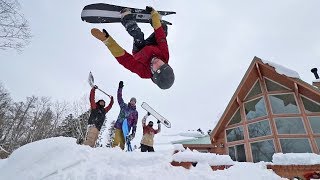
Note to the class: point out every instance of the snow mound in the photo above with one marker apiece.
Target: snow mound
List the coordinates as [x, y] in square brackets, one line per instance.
[295, 159]
[61, 158]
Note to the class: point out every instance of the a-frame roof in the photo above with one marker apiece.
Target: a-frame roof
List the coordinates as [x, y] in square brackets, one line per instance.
[259, 69]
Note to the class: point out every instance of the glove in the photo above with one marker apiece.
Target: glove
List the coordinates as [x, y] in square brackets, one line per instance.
[121, 84]
[149, 9]
[106, 33]
[155, 19]
[131, 136]
[158, 122]
[148, 114]
[95, 87]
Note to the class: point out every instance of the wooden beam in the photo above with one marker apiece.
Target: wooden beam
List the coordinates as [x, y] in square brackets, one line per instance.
[259, 72]
[296, 89]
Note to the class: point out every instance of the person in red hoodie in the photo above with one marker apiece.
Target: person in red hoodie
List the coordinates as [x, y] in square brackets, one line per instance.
[148, 134]
[150, 56]
[96, 118]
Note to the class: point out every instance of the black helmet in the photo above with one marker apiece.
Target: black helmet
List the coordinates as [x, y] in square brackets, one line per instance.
[98, 103]
[164, 77]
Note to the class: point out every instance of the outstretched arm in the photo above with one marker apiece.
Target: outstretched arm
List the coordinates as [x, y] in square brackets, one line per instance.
[160, 34]
[119, 95]
[144, 119]
[159, 127]
[134, 125]
[107, 109]
[92, 98]
[124, 58]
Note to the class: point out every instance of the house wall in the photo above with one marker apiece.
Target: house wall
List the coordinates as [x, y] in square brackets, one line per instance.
[275, 139]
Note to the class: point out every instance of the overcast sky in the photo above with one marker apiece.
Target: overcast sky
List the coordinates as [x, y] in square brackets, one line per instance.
[211, 45]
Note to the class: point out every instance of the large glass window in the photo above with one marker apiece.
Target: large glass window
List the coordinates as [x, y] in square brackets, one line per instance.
[236, 118]
[310, 106]
[256, 89]
[295, 146]
[237, 153]
[259, 129]
[315, 124]
[235, 134]
[284, 104]
[273, 86]
[262, 151]
[292, 125]
[255, 108]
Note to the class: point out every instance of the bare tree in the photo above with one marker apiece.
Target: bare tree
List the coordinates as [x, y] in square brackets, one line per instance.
[14, 28]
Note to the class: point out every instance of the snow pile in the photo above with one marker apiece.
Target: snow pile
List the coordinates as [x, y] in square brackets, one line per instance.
[316, 80]
[209, 158]
[295, 159]
[178, 147]
[190, 133]
[282, 70]
[61, 158]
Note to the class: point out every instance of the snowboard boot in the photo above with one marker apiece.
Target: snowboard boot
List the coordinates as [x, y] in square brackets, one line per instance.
[101, 35]
[127, 16]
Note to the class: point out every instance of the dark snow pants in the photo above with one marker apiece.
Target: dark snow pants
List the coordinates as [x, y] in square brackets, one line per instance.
[145, 148]
[133, 29]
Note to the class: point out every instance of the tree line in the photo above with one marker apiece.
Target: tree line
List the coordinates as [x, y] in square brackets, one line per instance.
[39, 118]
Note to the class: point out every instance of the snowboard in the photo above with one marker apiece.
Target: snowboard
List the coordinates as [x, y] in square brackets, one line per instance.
[155, 114]
[108, 13]
[126, 130]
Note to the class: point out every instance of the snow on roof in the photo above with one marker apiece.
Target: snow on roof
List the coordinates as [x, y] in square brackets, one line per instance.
[295, 159]
[316, 80]
[282, 70]
[189, 133]
[209, 158]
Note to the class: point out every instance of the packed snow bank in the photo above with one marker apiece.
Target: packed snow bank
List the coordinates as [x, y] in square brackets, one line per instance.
[61, 158]
[206, 158]
[295, 159]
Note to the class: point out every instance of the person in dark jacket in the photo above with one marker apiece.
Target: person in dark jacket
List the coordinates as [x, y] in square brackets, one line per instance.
[96, 118]
[129, 112]
[148, 134]
[150, 57]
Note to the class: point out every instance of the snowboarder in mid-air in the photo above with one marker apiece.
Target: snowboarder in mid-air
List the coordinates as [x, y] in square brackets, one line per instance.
[97, 117]
[150, 56]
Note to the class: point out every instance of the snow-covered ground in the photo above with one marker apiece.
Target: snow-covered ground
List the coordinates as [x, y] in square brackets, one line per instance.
[62, 158]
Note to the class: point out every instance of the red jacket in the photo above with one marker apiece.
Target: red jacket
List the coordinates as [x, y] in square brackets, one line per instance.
[93, 104]
[140, 62]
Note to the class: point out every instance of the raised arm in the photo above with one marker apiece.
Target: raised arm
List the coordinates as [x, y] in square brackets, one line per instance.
[160, 35]
[119, 95]
[107, 109]
[144, 119]
[92, 98]
[159, 127]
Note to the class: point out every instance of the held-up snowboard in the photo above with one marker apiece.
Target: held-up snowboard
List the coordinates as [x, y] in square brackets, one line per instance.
[126, 130]
[108, 13]
[155, 114]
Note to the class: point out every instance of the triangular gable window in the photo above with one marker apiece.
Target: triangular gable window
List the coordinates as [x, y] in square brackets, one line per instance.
[310, 106]
[255, 90]
[273, 86]
[236, 118]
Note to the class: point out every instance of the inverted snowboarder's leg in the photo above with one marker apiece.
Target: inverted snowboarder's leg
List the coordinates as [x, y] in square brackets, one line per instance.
[92, 136]
[129, 22]
[118, 139]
